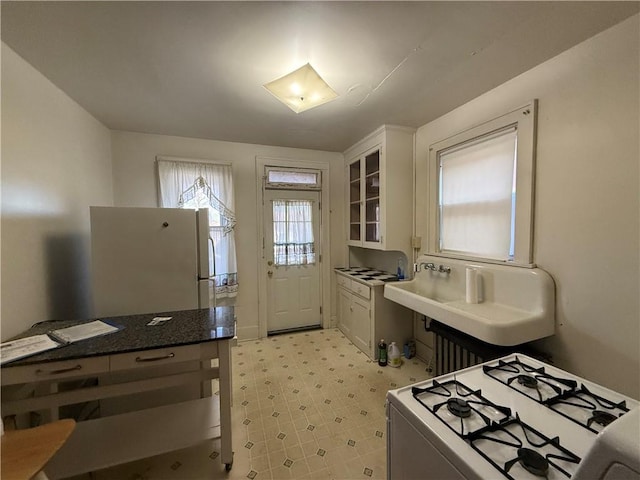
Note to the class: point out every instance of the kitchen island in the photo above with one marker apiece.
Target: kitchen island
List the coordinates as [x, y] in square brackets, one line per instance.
[40, 384]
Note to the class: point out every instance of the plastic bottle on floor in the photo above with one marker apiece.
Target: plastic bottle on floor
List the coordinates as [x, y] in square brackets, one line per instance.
[394, 355]
[382, 353]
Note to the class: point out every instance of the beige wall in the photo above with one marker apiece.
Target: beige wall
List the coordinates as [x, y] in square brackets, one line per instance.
[56, 160]
[135, 185]
[587, 217]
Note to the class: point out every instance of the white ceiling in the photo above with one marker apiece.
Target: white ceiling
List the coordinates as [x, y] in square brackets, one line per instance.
[196, 69]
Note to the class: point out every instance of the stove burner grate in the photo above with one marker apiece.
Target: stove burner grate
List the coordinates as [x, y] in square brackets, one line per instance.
[579, 405]
[531, 378]
[588, 409]
[534, 452]
[474, 411]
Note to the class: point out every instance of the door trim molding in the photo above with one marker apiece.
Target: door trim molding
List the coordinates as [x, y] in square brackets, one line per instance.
[325, 236]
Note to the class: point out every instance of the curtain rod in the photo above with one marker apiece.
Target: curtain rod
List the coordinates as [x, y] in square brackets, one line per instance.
[160, 158]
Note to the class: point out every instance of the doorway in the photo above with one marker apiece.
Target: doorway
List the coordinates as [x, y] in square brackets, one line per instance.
[292, 254]
[293, 180]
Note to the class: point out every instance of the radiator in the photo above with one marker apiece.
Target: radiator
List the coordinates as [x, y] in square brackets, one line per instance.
[455, 350]
[451, 356]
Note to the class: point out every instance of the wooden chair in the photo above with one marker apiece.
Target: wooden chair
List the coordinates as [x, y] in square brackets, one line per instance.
[26, 452]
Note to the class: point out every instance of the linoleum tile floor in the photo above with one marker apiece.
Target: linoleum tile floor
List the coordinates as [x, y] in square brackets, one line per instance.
[307, 405]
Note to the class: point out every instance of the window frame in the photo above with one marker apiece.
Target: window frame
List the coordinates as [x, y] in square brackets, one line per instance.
[524, 119]
[292, 186]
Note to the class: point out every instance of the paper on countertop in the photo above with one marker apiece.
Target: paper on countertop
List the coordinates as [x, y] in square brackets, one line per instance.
[23, 347]
[159, 320]
[83, 331]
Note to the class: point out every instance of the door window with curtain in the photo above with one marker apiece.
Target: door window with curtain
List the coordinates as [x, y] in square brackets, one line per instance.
[293, 242]
[206, 185]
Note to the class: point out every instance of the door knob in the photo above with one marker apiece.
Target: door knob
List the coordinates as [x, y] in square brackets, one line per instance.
[269, 273]
[269, 263]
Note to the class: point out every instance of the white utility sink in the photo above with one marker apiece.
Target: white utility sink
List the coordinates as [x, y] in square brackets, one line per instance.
[516, 305]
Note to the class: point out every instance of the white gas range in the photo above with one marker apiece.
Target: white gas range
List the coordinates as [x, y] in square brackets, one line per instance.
[516, 418]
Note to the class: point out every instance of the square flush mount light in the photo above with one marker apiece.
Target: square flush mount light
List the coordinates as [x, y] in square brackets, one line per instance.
[301, 89]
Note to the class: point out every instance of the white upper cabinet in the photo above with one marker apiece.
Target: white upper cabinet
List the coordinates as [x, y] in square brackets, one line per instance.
[379, 197]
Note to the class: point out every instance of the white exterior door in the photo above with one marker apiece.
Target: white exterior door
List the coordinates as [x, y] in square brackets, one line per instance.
[292, 253]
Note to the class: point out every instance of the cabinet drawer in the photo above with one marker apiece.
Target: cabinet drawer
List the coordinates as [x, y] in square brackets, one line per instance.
[156, 357]
[360, 289]
[61, 370]
[343, 281]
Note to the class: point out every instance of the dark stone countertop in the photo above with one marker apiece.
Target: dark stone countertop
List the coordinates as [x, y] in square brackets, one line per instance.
[185, 328]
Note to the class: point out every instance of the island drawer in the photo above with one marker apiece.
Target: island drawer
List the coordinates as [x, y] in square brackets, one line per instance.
[156, 357]
[59, 370]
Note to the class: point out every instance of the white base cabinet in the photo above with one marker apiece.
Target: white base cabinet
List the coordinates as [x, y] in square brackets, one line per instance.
[365, 316]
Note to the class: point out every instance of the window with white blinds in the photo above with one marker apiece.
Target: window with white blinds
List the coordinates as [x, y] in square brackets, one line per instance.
[477, 196]
[482, 190]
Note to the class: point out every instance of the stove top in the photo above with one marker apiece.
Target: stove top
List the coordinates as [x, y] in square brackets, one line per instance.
[515, 415]
[367, 274]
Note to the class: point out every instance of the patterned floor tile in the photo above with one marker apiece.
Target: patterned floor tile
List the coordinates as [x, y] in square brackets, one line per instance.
[308, 405]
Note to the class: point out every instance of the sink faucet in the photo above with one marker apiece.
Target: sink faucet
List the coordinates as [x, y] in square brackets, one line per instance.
[444, 269]
[433, 267]
[428, 266]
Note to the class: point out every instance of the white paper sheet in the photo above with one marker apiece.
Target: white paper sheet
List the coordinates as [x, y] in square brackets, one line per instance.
[82, 331]
[23, 347]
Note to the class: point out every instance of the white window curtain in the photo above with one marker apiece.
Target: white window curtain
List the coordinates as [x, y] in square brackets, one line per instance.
[293, 242]
[206, 185]
[477, 197]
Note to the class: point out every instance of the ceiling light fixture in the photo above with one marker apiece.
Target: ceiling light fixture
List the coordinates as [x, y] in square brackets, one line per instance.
[301, 89]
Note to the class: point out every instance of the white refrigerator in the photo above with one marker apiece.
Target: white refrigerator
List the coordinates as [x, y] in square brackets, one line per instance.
[149, 260]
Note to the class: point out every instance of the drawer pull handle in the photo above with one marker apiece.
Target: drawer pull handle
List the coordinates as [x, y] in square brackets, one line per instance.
[153, 359]
[57, 372]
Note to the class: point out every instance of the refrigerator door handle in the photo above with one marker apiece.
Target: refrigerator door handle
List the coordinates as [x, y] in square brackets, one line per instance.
[212, 261]
[203, 236]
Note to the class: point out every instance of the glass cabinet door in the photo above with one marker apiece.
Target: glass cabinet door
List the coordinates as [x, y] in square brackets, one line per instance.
[372, 197]
[355, 202]
[382, 220]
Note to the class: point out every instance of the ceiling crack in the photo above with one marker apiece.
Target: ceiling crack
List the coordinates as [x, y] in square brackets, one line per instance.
[389, 74]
